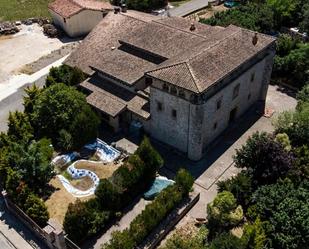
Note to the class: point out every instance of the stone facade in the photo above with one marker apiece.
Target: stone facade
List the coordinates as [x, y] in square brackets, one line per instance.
[190, 122]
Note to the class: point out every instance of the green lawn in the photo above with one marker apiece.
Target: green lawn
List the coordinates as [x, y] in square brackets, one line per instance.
[11, 10]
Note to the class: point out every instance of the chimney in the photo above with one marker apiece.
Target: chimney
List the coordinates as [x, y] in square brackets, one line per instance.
[116, 10]
[255, 39]
[124, 8]
[192, 27]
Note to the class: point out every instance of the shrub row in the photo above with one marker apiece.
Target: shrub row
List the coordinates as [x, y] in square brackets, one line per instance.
[113, 194]
[153, 214]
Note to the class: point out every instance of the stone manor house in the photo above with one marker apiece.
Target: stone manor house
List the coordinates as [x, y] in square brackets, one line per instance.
[183, 82]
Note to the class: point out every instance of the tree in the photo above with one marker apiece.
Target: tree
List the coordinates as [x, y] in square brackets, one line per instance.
[109, 195]
[120, 240]
[295, 125]
[36, 209]
[184, 180]
[283, 10]
[264, 159]
[65, 74]
[152, 159]
[240, 186]
[226, 241]
[61, 107]
[304, 25]
[19, 127]
[254, 236]
[32, 92]
[33, 163]
[223, 213]
[284, 205]
[285, 44]
[303, 96]
[257, 17]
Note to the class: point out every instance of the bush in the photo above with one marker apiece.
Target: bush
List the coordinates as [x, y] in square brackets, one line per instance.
[223, 213]
[150, 217]
[226, 241]
[185, 180]
[36, 209]
[285, 206]
[254, 236]
[65, 74]
[240, 186]
[264, 159]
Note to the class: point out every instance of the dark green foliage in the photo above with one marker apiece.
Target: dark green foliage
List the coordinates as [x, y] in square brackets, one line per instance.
[146, 4]
[294, 66]
[254, 236]
[153, 160]
[83, 219]
[32, 92]
[62, 114]
[264, 159]
[36, 209]
[185, 180]
[65, 74]
[226, 241]
[285, 44]
[304, 25]
[303, 96]
[223, 213]
[108, 195]
[150, 217]
[301, 169]
[19, 127]
[295, 125]
[33, 163]
[258, 17]
[285, 206]
[239, 186]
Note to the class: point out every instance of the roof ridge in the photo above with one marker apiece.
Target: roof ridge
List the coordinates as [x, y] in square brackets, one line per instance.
[193, 77]
[133, 17]
[168, 66]
[74, 2]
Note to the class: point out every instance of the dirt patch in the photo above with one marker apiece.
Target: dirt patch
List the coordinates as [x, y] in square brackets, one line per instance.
[102, 170]
[59, 201]
[83, 184]
[207, 12]
[46, 60]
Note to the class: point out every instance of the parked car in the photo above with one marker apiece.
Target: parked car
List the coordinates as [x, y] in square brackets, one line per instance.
[231, 4]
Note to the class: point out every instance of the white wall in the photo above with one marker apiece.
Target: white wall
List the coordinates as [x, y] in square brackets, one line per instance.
[80, 24]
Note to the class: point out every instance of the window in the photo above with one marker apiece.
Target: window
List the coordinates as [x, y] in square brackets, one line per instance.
[65, 20]
[215, 126]
[165, 87]
[252, 77]
[159, 106]
[236, 91]
[249, 96]
[219, 103]
[173, 90]
[148, 81]
[174, 113]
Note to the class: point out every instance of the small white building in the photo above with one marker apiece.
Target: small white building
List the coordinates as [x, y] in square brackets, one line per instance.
[78, 17]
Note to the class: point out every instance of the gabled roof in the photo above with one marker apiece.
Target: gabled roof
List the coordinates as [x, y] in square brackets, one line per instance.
[125, 47]
[68, 8]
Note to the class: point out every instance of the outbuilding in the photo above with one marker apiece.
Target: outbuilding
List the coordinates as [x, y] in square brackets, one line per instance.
[78, 17]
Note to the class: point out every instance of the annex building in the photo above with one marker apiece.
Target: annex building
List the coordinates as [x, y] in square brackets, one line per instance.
[183, 82]
[78, 17]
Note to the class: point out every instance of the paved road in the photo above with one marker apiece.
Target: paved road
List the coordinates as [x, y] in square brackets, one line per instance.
[188, 8]
[13, 103]
[5, 243]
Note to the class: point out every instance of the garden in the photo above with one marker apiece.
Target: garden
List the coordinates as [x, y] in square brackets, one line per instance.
[50, 170]
[266, 204]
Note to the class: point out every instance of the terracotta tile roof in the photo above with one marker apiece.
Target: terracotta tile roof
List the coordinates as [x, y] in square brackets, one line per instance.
[112, 99]
[68, 8]
[124, 47]
[202, 68]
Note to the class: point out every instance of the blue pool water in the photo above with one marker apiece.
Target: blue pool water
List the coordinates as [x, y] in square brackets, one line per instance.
[158, 185]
